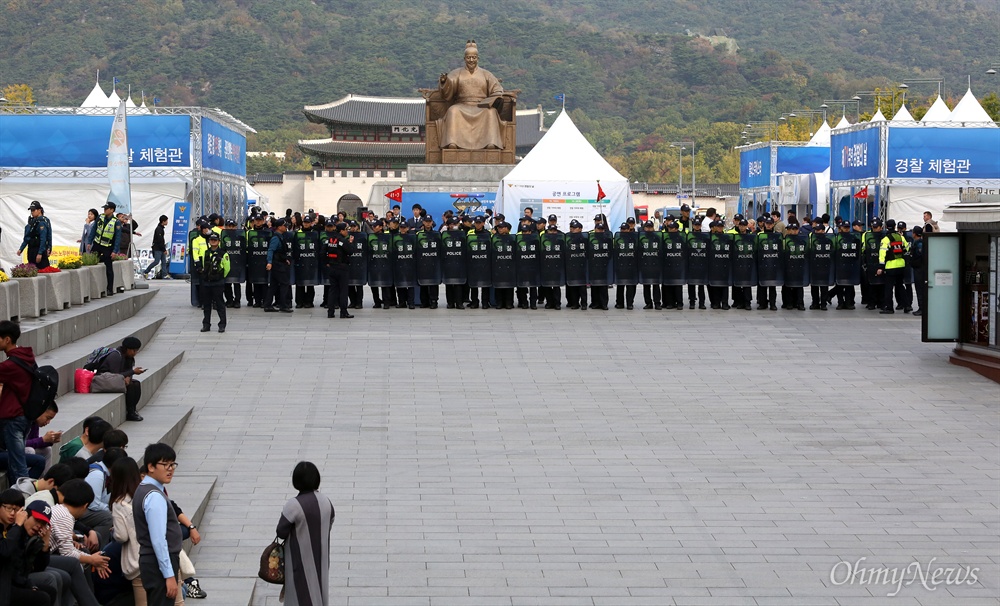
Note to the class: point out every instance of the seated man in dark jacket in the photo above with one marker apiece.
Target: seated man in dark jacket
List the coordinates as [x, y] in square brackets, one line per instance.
[121, 361]
[24, 551]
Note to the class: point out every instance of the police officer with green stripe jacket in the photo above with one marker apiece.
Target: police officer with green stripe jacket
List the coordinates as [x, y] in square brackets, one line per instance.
[891, 263]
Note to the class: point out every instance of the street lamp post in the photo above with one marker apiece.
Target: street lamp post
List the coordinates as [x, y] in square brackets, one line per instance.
[682, 145]
[843, 103]
[680, 167]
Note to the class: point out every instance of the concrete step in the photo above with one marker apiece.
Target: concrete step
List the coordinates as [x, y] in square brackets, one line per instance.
[58, 329]
[75, 407]
[70, 357]
[192, 493]
[161, 423]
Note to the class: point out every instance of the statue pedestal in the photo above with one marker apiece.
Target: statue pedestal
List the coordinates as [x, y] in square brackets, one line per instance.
[484, 175]
[455, 178]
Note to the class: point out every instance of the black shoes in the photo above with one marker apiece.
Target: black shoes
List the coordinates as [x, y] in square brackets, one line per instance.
[285, 310]
[222, 329]
[270, 309]
[133, 416]
[346, 316]
[205, 328]
[886, 312]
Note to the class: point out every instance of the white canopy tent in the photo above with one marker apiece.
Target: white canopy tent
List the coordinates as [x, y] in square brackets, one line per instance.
[560, 176]
[66, 203]
[938, 112]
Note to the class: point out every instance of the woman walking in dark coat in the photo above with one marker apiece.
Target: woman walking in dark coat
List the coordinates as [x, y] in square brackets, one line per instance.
[305, 522]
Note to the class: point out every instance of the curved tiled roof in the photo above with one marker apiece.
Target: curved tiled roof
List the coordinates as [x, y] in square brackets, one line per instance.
[375, 111]
[387, 149]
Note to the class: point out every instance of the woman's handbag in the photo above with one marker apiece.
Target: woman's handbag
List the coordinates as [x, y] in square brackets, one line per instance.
[108, 382]
[272, 563]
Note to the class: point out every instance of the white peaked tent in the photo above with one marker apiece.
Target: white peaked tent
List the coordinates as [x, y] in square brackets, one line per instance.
[878, 117]
[903, 115]
[96, 98]
[844, 122]
[560, 176]
[822, 136]
[969, 110]
[938, 112]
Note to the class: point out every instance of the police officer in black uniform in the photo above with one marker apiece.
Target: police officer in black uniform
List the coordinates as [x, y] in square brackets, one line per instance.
[338, 247]
[279, 264]
[37, 237]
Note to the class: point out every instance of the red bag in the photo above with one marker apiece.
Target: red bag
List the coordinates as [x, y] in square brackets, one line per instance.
[82, 379]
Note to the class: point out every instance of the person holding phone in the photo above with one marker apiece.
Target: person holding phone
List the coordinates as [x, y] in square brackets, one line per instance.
[121, 361]
[38, 448]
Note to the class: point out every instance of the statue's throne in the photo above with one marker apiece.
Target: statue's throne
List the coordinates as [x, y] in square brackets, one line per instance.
[506, 106]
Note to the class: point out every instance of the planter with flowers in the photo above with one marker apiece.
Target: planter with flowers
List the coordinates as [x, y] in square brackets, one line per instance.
[56, 288]
[96, 275]
[10, 301]
[79, 281]
[124, 272]
[31, 290]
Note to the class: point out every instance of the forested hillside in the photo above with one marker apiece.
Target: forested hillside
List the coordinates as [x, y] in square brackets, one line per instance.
[636, 74]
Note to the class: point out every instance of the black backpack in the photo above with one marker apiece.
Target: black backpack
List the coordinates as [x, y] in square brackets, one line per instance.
[44, 388]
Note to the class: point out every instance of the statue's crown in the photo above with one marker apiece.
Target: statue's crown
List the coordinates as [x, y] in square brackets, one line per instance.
[471, 44]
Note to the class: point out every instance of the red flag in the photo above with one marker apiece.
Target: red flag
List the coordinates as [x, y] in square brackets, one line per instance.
[600, 192]
[862, 193]
[395, 195]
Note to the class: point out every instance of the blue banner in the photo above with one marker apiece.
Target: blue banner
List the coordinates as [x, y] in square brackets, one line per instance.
[435, 203]
[222, 148]
[755, 167]
[82, 141]
[803, 160]
[179, 238]
[854, 155]
[944, 153]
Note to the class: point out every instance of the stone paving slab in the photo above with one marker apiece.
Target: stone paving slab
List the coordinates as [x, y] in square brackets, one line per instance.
[519, 457]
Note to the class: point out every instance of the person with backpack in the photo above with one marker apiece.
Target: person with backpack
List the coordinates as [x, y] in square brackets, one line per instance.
[121, 361]
[892, 261]
[213, 265]
[17, 381]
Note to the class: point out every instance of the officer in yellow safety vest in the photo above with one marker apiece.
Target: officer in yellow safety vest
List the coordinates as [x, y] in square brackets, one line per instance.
[107, 235]
[212, 263]
[891, 263]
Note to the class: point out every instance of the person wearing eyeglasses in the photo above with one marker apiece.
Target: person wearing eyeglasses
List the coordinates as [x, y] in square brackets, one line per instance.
[157, 528]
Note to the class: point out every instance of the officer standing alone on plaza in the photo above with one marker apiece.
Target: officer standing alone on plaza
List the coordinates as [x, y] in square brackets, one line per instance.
[37, 237]
[213, 263]
[338, 246]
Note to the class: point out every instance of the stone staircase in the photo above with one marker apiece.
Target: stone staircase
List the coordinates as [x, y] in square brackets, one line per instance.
[65, 339]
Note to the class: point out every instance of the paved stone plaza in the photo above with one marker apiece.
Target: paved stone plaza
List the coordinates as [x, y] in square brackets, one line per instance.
[542, 457]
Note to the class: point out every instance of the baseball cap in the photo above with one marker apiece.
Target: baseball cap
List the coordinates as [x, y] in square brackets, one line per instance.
[378, 223]
[553, 218]
[552, 227]
[744, 222]
[769, 220]
[278, 223]
[309, 218]
[480, 219]
[466, 217]
[685, 207]
[575, 223]
[35, 205]
[352, 223]
[876, 221]
[630, 220]
[214, 236]
[917, 230]
[110, 205]
[341, 226]
[40, 510]
[394, 220]
[623, 226]
[648, 224]
[901, 225]
[738, 217]
[598, 217]
[792, 225]
[697, 221]
[231, 222]
[428, 219]
[672, 225]
[500, 217]
[890, 224]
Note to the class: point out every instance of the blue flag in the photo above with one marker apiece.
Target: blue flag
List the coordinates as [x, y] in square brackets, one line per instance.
[561, 97]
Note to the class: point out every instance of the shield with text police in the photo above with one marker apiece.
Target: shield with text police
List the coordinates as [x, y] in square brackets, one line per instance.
[821, 260]
[770, 267]
[357, 273]
[504, 273]
[720, 260]
[599, 266]
[257, 241]
[404, 260]
[744, 261]
[626, 258]
[796, 261]
[553, 260]
[650, 263]
[576, 259]
[479, 266]
[428, 258]
[871, 242]
[305, 255]
[675, 251]
[234, 243]
[453, 261]
[697, 272]
[847, 259]
[195, 275]
[908, 270]
[527, 264]
[379, 247]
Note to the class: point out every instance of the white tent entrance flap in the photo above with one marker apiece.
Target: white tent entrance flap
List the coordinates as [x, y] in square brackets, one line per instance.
[560, 176]
[908, 204]
[66, 204]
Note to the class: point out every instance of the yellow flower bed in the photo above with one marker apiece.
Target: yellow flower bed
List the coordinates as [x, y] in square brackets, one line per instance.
[4, 277]
[70, 261]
